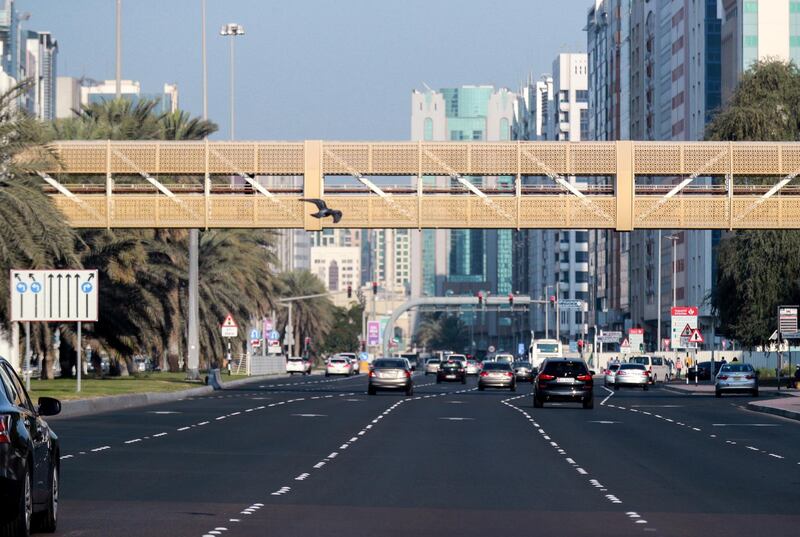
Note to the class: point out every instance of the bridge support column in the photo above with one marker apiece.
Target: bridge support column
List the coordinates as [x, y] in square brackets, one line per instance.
[312, 180]
[624, 186]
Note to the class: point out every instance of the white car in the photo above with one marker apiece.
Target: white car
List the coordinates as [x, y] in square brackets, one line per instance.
[432, 366]
[297, 364]
[353, 360]
[656, 365]
[507, 358]
[473, 367]
[610, 373]
[338, 365]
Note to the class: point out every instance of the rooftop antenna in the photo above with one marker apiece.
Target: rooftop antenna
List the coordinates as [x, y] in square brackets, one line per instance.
[427, 87]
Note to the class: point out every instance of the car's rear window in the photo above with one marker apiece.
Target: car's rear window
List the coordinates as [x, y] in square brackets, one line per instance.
[338, 361]
[632, 366]
[658, 361]
[500, 366]
[434, 361]
[561, 369]
[295, 359]
[645, 360]
[737, 368]
[400, 364]
[522, 364]
[613, 367]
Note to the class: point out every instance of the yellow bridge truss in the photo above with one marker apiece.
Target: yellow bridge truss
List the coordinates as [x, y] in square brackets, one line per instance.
[88, 184]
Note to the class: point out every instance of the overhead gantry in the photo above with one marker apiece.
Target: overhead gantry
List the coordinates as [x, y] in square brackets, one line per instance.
[156, 184]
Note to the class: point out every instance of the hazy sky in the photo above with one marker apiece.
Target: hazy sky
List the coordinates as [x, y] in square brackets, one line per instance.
[307, 69]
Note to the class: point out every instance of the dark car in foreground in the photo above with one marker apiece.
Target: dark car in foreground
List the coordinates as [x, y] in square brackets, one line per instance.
[703, 371]
[452, 370]
[497, 375]
[29, 460]
[390, 374]
[564, 379]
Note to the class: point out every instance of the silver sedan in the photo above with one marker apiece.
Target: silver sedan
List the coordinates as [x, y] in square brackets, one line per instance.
[432, 366]
[635, 375]
[610, 373]
[736, 378]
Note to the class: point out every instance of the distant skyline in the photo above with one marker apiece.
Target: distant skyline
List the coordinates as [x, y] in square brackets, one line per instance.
[309, 69]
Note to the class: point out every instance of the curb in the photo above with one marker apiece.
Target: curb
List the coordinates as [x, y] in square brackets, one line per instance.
[759, 407]
[98, 405]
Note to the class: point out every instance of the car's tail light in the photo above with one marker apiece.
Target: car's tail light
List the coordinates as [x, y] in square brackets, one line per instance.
[5, 429]
[408, 374]
[545, 376]
[585, 378]
[647, 373]
[372, 373]
[723, 377]
[750, 377]
[621, 373]
[509, 374]
[484, 373]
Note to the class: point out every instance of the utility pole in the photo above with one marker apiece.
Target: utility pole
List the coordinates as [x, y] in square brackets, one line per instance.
[118, 88]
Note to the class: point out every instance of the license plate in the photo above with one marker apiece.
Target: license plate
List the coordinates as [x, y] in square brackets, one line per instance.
[565, 380]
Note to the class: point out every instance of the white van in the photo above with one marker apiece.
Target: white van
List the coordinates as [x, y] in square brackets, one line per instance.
[540, 349]
[659, 370]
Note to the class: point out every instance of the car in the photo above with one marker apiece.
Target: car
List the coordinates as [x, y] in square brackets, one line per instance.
[390, 374]
[508, 358]
[703, 371]
[413, 359]
[432, 366]
[473, 367]
[497, 375]
[658, 368]
[298, 364]
[523, 371]
[635, 375]
[610, 373]
[734, 378]
[354, 363]
[564, 379]
[460, 357]
[452, 369]
[338, 365]
[29, 459]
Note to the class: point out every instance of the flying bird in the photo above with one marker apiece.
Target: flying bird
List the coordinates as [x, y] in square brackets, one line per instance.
[323, 210]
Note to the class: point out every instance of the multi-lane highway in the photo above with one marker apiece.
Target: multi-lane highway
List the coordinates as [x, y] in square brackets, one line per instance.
[312, 456]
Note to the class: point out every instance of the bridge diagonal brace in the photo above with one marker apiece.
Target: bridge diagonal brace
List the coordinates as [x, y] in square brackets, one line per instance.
[369, 184]
[67, 193]
[683, 184]
[469, 186]
[566, 185]
[153, 181]
[768, 194]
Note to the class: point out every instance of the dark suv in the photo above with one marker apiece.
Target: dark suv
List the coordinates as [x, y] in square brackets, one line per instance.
[563, 379]
[452, 369]
[29, 459]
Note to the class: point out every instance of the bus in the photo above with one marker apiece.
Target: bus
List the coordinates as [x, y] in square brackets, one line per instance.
[544, 348]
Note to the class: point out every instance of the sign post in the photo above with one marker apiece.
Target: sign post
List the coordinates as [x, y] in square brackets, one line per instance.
[58, 296]
[787, 328]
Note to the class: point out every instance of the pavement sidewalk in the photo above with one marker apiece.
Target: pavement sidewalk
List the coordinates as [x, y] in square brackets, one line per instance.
[95, 405]
[785, 403]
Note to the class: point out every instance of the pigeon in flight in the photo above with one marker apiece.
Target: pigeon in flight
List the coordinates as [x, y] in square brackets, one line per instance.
[323, 209]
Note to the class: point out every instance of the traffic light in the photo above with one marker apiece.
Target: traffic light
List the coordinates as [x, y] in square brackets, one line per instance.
[510, 299]
[580, 343]
[374, 288]
[553, 300]
[480, 298]
[349, 291]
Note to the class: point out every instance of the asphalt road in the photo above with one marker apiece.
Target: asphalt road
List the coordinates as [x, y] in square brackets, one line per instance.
[310, 456]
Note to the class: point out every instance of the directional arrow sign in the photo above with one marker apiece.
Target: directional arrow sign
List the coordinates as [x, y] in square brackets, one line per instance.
[53, 295]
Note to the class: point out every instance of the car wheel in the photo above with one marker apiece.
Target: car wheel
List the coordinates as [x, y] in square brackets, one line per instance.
[514, 387]
[481, 387]
[327, 374]
[616, 386]
[20, 525]
[410, 391]
[537, 403]
[46, 521]
[438, 380]
[588, 402]
[464, 379]
[645, 387]
[755, 392]
[370, 390]
[655, 379]
[717, 393]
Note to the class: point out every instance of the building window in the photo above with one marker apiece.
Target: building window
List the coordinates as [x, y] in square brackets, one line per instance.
[428, 134]
[581, 257]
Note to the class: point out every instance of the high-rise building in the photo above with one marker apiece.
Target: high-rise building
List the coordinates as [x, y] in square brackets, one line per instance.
[654, 75]
[463, 262]
[337, 267]
[292, 246]
[93, 91]
[39, 64]
[755, 30]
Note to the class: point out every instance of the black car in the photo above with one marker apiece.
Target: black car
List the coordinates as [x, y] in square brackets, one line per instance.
[29, 459]
[564, 379]
[453, 370]
[524, 371]
[703, 371]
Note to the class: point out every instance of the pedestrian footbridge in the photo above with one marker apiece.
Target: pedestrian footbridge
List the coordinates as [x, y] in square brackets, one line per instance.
[625, 185]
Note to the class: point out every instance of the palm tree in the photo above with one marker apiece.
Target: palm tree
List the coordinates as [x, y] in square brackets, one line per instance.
[442, 332]
[33, 233]
[312, 318]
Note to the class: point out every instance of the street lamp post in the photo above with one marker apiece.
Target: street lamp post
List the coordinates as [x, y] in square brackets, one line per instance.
[118, 77]
[232, 30]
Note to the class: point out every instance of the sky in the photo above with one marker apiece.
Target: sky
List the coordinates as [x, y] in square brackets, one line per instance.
[314, 69]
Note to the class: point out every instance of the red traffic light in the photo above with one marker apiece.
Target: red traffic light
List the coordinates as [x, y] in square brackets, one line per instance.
[552, 299]
[580, 343]
[374, 288]
[511, 298]
[480, 297]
